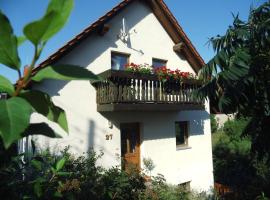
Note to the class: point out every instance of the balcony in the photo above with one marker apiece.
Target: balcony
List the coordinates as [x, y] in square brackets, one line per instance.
[127, 91]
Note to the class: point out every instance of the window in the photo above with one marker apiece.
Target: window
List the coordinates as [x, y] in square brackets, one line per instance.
[119, 60]
[158, 62]
[181, 133]
[3, 95]
[185, 186]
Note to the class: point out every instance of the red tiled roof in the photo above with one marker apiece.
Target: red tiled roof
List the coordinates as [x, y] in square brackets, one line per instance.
[97, 24]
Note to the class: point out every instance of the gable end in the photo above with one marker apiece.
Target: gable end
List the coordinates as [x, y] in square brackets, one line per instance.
[163, 14]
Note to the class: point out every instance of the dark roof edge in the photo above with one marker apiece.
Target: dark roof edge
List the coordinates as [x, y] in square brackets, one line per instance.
[184, 36]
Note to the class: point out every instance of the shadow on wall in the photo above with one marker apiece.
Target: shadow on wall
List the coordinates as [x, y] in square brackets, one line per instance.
[95, 141]
[198, 123]
[160, 125]
[77, 57]
[91, 48]
[77, 144]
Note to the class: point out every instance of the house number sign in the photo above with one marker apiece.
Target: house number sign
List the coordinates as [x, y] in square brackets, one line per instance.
[109, 137]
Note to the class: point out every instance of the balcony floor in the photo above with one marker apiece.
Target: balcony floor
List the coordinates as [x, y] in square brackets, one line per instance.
[148, 107]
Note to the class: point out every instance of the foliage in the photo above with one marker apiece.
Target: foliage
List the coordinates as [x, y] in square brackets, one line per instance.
[122, 185]
[142, 68]
[160, 190]
[235, 167]
[163, 72]
[214, 124]
[236, 79]
[148, 165]
[64, 176]
[15, 111]
[234, 128]
[262, 197]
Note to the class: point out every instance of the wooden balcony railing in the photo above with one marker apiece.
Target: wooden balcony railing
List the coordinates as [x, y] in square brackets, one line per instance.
[122, 87]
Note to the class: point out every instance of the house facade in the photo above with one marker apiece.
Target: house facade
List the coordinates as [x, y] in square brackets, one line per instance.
[131, 116]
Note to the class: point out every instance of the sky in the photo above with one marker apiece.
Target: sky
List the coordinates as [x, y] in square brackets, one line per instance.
[200, 19]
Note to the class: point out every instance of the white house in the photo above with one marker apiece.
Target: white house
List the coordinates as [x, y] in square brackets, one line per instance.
[135, 116]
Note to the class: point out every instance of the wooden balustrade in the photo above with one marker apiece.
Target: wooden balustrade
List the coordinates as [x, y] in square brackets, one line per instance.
[130, 88]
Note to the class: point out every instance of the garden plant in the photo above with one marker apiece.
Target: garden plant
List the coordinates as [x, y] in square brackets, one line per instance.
[15, 111]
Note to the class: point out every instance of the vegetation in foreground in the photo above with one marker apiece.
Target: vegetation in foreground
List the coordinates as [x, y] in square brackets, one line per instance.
[236, 79]
[48, 176]
[15, 111]
[234, 166]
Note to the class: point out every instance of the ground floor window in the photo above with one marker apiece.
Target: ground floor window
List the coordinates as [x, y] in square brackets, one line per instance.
[181, 133]
[185, 185]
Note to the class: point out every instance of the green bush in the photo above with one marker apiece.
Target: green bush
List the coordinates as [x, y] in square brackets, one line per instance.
[234, 128]
[214, 124]
[235, 166]
[63, 176]
[165, 191]
[160, 190]
[48, 176]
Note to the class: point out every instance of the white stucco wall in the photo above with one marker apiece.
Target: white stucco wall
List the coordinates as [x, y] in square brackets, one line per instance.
[158, 143]
[88, 128]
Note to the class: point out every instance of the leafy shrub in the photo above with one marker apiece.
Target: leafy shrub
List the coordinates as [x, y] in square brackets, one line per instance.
[148, 165]
[234, 128]
[214, 124]
[63, 176]
[236, 166]
[160, 190]
[122, 185]
[49, 176]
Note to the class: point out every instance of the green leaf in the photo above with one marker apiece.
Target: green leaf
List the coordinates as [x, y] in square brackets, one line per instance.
[41, 129]
[63, 9]
[38, 189]
[35, 31]
[36, 164]
[8, 44]
[57, 194]
[14, 119]
[227, 103]
[63, 173]
[55, 18]
[21, 40]
[6, 86]
[53, 170]
[65, 72]
[60, 164]
[43, 104]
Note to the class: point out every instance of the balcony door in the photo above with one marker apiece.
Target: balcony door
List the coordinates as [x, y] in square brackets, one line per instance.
[130, 145]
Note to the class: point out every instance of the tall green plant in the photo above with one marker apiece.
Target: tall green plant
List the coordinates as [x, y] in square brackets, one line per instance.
[236, 79]
[247, 176]
[15, 111]
[214, 124]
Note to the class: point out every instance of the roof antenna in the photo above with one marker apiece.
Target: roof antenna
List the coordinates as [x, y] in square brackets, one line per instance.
[124, 34]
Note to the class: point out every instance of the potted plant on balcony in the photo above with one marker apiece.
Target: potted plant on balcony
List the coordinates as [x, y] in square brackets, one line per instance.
[172, 79]
[140, 69]
[167, 76]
